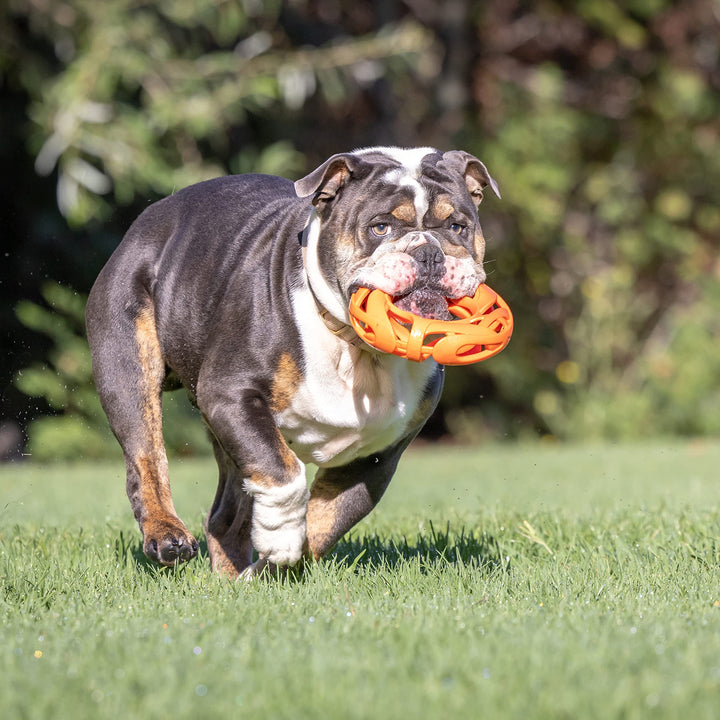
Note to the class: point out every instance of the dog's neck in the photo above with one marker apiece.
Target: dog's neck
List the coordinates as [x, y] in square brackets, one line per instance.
[337, 327]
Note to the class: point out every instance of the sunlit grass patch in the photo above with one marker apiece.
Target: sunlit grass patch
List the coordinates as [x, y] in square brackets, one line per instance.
[509, 582]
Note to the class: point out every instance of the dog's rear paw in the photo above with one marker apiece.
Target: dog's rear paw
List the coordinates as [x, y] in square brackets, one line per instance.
[167, 544]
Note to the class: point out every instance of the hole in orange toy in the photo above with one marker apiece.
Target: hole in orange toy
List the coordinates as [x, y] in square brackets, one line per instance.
[483, 327]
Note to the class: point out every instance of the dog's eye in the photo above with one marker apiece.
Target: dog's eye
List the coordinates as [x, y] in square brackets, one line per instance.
[380, 229]
[457, 228]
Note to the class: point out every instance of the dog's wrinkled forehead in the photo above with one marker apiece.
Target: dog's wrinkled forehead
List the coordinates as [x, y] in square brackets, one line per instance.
[365, 176]
[406, 161]
[402, 168]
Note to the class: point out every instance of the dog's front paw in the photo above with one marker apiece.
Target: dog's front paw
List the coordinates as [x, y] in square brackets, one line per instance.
[279, 546]
[168, 542]
[263, 569]
[278, 523]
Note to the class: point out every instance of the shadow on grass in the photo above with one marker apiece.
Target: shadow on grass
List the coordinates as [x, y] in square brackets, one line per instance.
[437, 549]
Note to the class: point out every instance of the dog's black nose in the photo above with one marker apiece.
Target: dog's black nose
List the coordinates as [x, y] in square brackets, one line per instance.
[430, 258]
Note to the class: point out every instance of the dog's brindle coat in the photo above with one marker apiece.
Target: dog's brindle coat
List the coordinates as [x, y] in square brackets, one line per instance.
[238, 289]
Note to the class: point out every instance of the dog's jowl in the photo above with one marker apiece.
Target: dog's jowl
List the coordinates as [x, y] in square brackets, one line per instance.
[238, 290]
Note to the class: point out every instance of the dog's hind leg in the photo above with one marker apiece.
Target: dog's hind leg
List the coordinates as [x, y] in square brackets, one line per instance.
[341, 497]
[129, 371]
[229, 521]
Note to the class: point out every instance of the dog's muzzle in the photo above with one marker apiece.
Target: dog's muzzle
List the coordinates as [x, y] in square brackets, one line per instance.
[425, 297]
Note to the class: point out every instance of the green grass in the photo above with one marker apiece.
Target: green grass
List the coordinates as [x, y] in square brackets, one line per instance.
[506, 582]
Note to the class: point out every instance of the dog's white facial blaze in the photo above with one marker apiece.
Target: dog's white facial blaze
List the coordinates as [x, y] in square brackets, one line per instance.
[408, 174]
[409, 158]
[402, 177]
[278, 519]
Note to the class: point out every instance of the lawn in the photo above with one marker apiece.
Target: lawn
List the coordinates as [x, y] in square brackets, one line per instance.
[505, 582]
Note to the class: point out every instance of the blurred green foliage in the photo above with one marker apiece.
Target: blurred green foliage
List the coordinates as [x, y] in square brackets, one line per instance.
[613, 227]
[598, 119]
[65, 381]
[147, 93]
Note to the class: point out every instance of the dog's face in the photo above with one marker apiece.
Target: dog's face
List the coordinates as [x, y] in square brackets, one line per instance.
[402, 221]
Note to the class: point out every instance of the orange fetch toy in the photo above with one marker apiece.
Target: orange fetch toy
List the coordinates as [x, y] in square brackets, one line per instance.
[483, 327]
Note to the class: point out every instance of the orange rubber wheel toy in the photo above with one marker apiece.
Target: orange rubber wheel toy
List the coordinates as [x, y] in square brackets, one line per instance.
[483, 327]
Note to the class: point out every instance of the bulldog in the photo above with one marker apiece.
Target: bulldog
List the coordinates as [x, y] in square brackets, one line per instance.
[237, 289]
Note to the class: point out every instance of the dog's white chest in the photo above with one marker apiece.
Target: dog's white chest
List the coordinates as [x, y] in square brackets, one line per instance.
[350, 402]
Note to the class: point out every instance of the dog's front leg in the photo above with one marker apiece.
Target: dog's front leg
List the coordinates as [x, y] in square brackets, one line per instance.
[272, 474]
[278, 518]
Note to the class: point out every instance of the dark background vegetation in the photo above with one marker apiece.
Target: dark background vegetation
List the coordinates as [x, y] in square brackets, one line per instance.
[598, 118]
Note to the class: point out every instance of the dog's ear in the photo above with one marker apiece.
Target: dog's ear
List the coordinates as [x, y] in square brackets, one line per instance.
[325, 182]
[475, 173]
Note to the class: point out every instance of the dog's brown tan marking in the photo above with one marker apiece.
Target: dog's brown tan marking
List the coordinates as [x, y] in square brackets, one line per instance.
[232, 558]
[479, 243]
[346, 241]
[443, 208]
[322, 517]
[152, 372]
[405, 213]
[456, 251]
[285, 383]
[340, 497]
[164, 535]
[288, 457]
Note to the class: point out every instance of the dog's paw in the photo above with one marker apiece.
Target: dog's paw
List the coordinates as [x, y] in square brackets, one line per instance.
[262, 569]
[279, 546]
[259, 568]
[167, 543]
[278, 522]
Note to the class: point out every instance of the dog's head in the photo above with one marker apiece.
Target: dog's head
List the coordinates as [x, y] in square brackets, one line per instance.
[402, 221]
